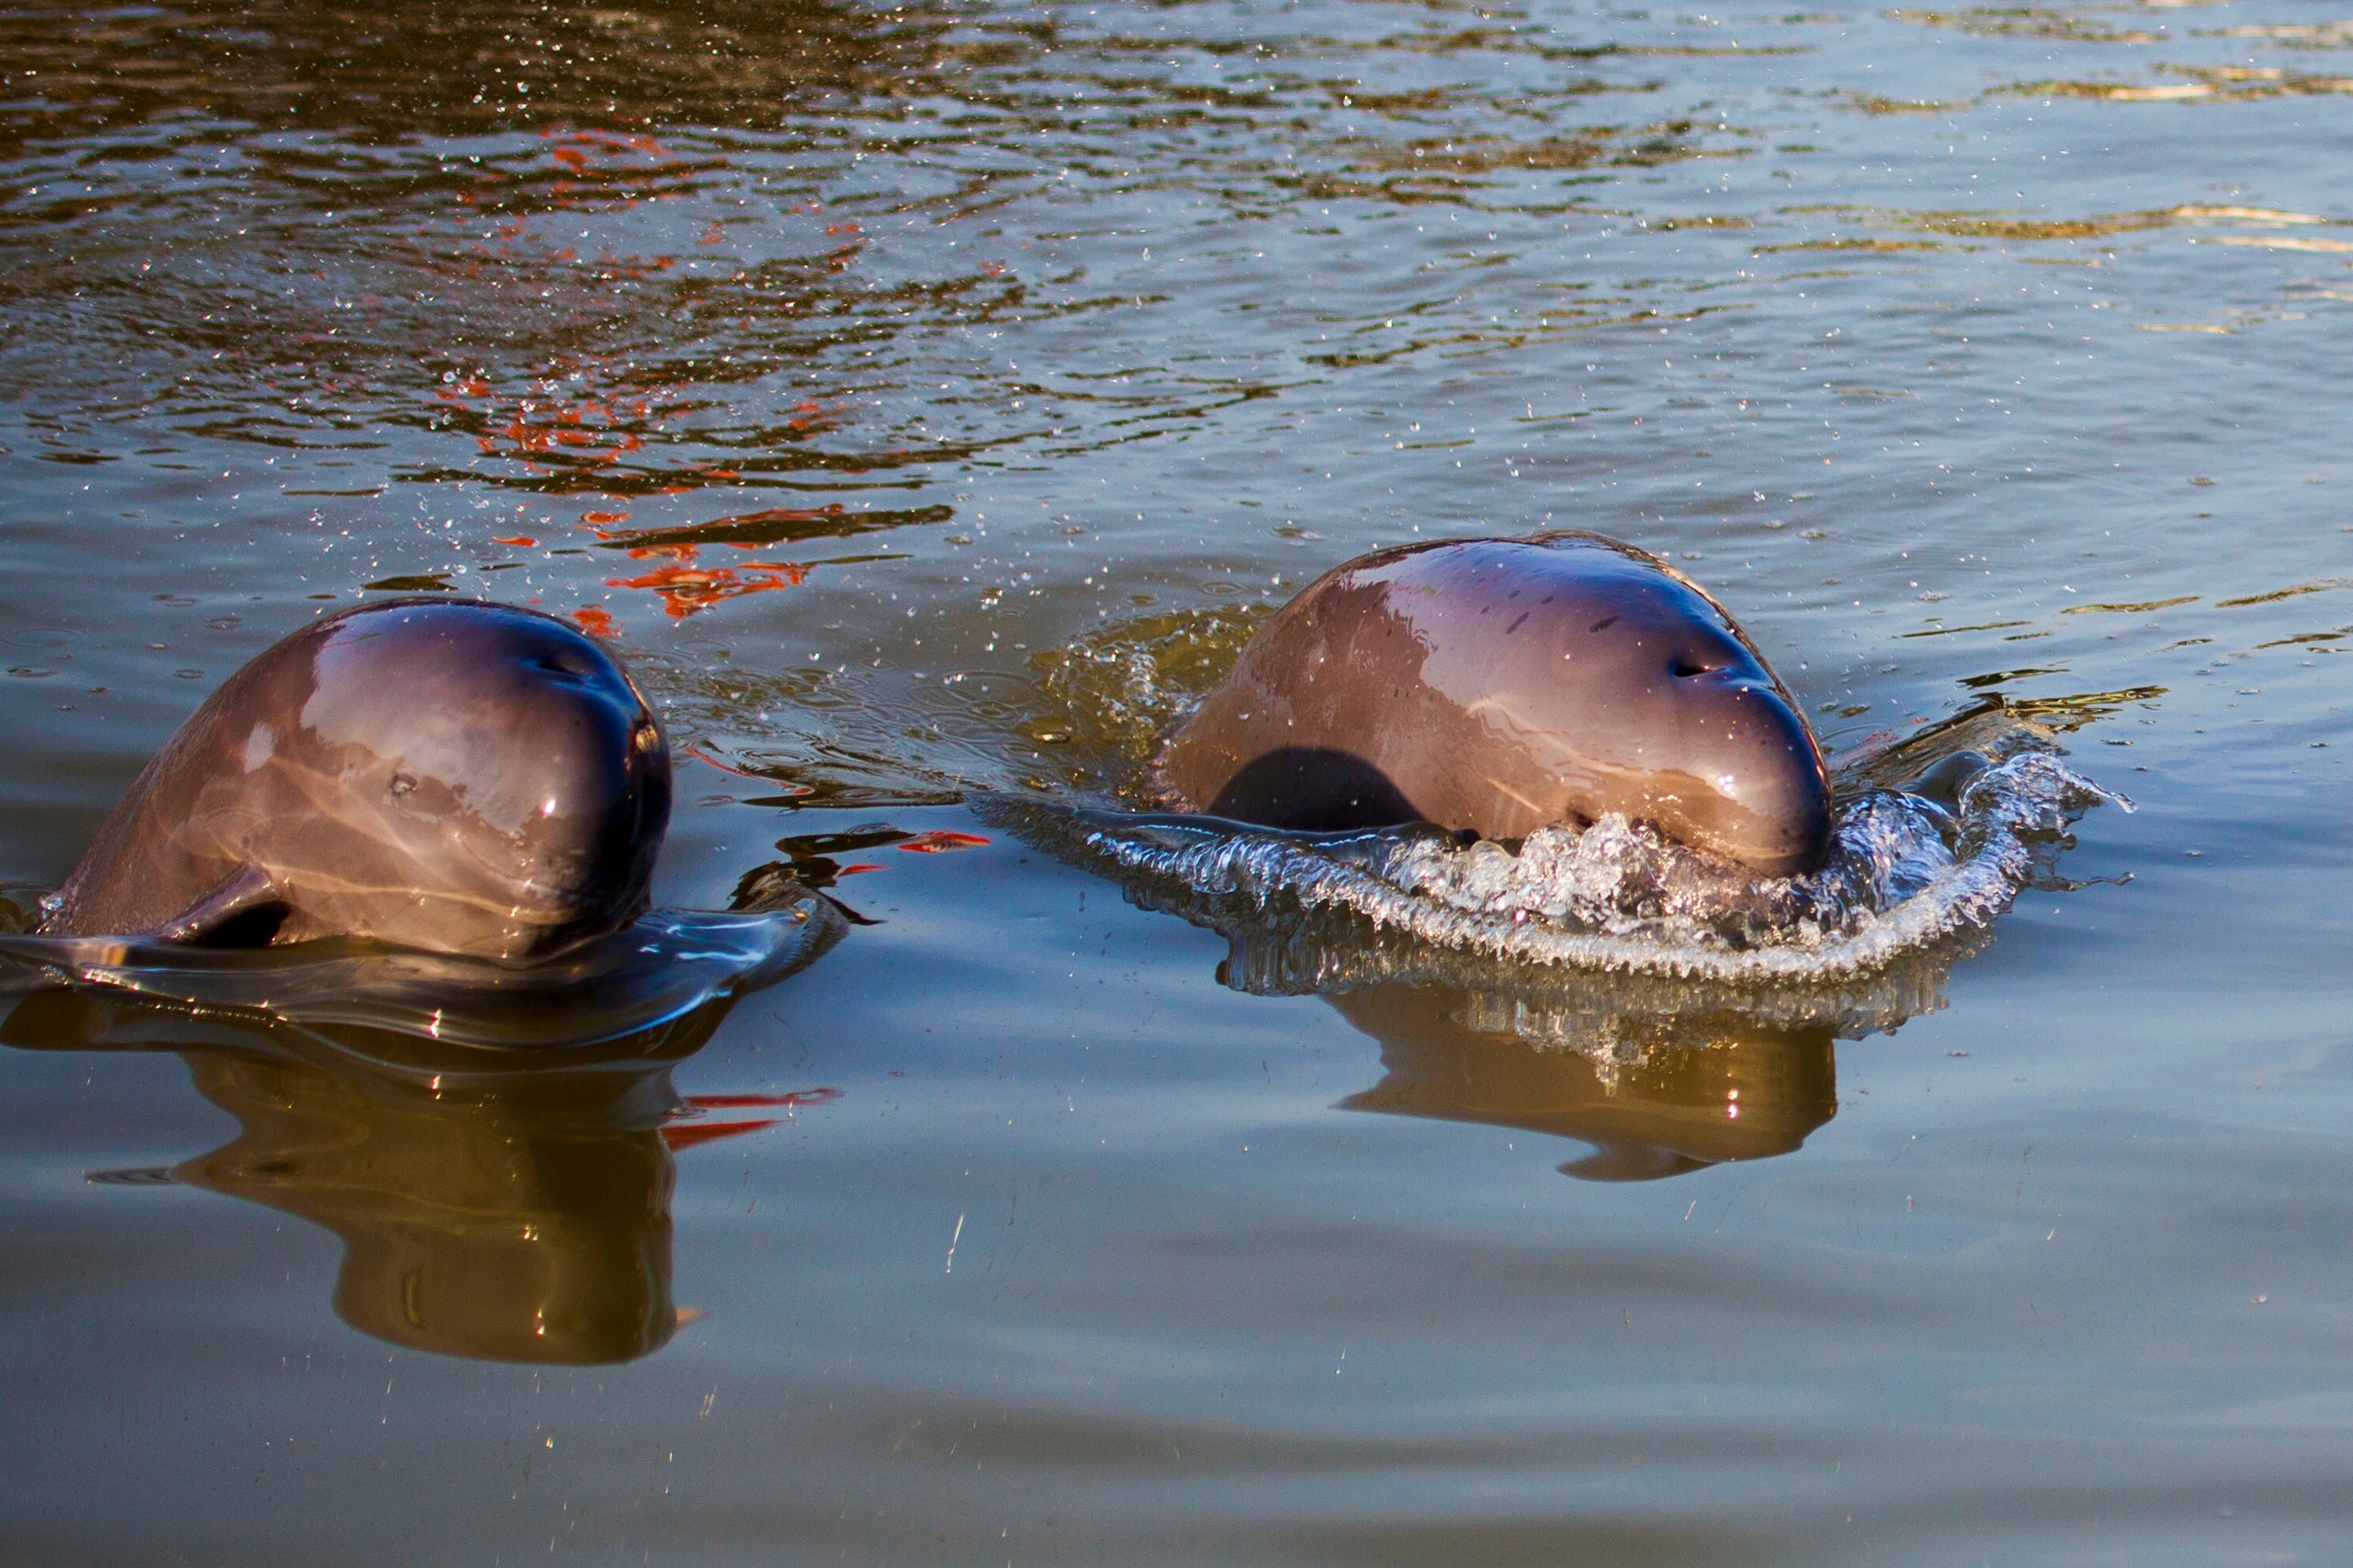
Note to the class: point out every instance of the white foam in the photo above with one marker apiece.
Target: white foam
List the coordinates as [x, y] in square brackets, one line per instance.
[1617, 898]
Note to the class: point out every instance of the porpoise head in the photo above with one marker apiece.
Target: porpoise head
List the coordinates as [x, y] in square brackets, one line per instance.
[1638, 693]
[457, 777]
[1502, 685]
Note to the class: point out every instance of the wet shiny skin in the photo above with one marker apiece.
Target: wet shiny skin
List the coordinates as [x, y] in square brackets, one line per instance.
[459, 778]
[1502, 686]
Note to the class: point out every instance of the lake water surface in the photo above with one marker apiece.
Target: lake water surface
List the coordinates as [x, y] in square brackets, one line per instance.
[925, 401]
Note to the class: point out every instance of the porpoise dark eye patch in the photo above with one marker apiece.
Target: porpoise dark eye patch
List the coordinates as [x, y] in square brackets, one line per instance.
[1603, 624]
[1685, 669]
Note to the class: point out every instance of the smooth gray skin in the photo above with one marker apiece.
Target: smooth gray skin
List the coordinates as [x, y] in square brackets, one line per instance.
[462, 778]
[1502, 685]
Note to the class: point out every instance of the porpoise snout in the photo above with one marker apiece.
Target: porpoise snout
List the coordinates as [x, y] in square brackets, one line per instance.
[1771, 803]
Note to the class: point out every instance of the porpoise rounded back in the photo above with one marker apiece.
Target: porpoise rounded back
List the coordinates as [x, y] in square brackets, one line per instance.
[1502, 685]
[463, 778]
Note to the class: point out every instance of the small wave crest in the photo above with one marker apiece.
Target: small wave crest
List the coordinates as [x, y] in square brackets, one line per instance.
[666, 964]
[1863, 940]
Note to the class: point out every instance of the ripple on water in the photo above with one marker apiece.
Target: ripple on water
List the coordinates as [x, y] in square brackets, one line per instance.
[1862, 942]
[668, 965]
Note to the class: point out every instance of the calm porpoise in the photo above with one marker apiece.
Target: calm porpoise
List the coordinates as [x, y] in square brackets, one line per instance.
[462, 778]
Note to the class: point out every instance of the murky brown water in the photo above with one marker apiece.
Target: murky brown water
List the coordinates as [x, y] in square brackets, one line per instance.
[925, 400]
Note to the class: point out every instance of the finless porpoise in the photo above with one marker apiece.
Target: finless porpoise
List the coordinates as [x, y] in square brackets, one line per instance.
[462, 778]
[1503, 685]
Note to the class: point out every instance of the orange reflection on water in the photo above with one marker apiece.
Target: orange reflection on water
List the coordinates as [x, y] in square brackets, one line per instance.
[743, 1102]
[686, 590]
[594, 169]
[939, 840]
[546, 430]
[600, 163]
[687, 1137]
[689, 749]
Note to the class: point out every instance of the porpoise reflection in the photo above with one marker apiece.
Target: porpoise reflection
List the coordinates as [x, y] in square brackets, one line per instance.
[527, 1224]
[1656, 1095]
[1661, 1074]
[1503, 685]
[517, 1215]
[460, 778]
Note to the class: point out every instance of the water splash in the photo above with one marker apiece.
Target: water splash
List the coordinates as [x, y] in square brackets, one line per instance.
[668, 964]
[1865, 939]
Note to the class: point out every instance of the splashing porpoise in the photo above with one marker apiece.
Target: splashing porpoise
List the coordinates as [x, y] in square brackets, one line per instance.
[1506, 685]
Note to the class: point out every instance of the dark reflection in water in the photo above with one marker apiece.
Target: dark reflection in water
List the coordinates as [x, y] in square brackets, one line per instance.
[527, 1225]
[1657, 1096]
[1661, 1075]
[450, 69]
[516, 1211]
[1662, 1072]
